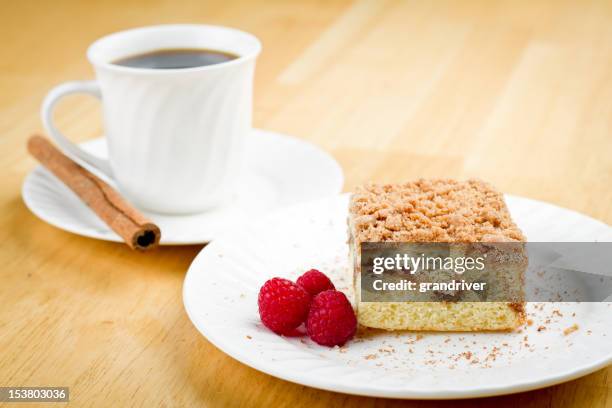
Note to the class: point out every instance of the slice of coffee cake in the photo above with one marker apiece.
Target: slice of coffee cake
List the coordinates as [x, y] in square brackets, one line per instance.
[436, 211]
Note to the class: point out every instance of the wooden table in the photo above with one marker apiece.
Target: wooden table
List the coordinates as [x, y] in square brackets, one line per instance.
[518, 93]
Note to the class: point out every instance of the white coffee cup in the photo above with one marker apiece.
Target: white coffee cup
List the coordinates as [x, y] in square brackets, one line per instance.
[175, 136]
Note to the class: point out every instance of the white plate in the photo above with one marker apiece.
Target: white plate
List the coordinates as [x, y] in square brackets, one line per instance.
[282, 171]
[220, 296]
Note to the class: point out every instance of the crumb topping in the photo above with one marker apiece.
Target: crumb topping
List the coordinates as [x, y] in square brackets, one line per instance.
[570, 329]
[439, 210]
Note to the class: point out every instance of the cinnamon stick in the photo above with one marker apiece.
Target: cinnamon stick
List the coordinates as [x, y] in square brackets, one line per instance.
[136, 230]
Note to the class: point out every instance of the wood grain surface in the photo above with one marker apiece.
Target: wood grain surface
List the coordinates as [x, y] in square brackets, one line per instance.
[515, 92]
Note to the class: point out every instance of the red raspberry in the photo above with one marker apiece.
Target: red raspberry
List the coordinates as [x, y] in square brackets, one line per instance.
[283, 305]
[331, 320]
[315, 282]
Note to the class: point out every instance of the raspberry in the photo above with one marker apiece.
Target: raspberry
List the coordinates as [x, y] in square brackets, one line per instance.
[331, 320]
[315, 282]
[283, 305]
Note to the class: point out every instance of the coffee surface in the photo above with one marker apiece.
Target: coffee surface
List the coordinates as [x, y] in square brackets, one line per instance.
[176, 58]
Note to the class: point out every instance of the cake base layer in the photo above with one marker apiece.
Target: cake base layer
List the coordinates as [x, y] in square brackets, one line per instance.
[441, 316]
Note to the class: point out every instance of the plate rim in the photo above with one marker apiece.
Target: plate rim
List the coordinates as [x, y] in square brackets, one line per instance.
[113, 237]
[235, 351]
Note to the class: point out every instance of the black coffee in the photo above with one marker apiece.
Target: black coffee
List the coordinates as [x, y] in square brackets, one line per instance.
[176, 58]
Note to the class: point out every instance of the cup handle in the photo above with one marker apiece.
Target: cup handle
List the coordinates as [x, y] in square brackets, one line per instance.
[71, 149]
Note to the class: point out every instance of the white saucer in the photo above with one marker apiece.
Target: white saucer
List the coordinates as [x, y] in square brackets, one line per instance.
[282, 171]
[220, 296]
